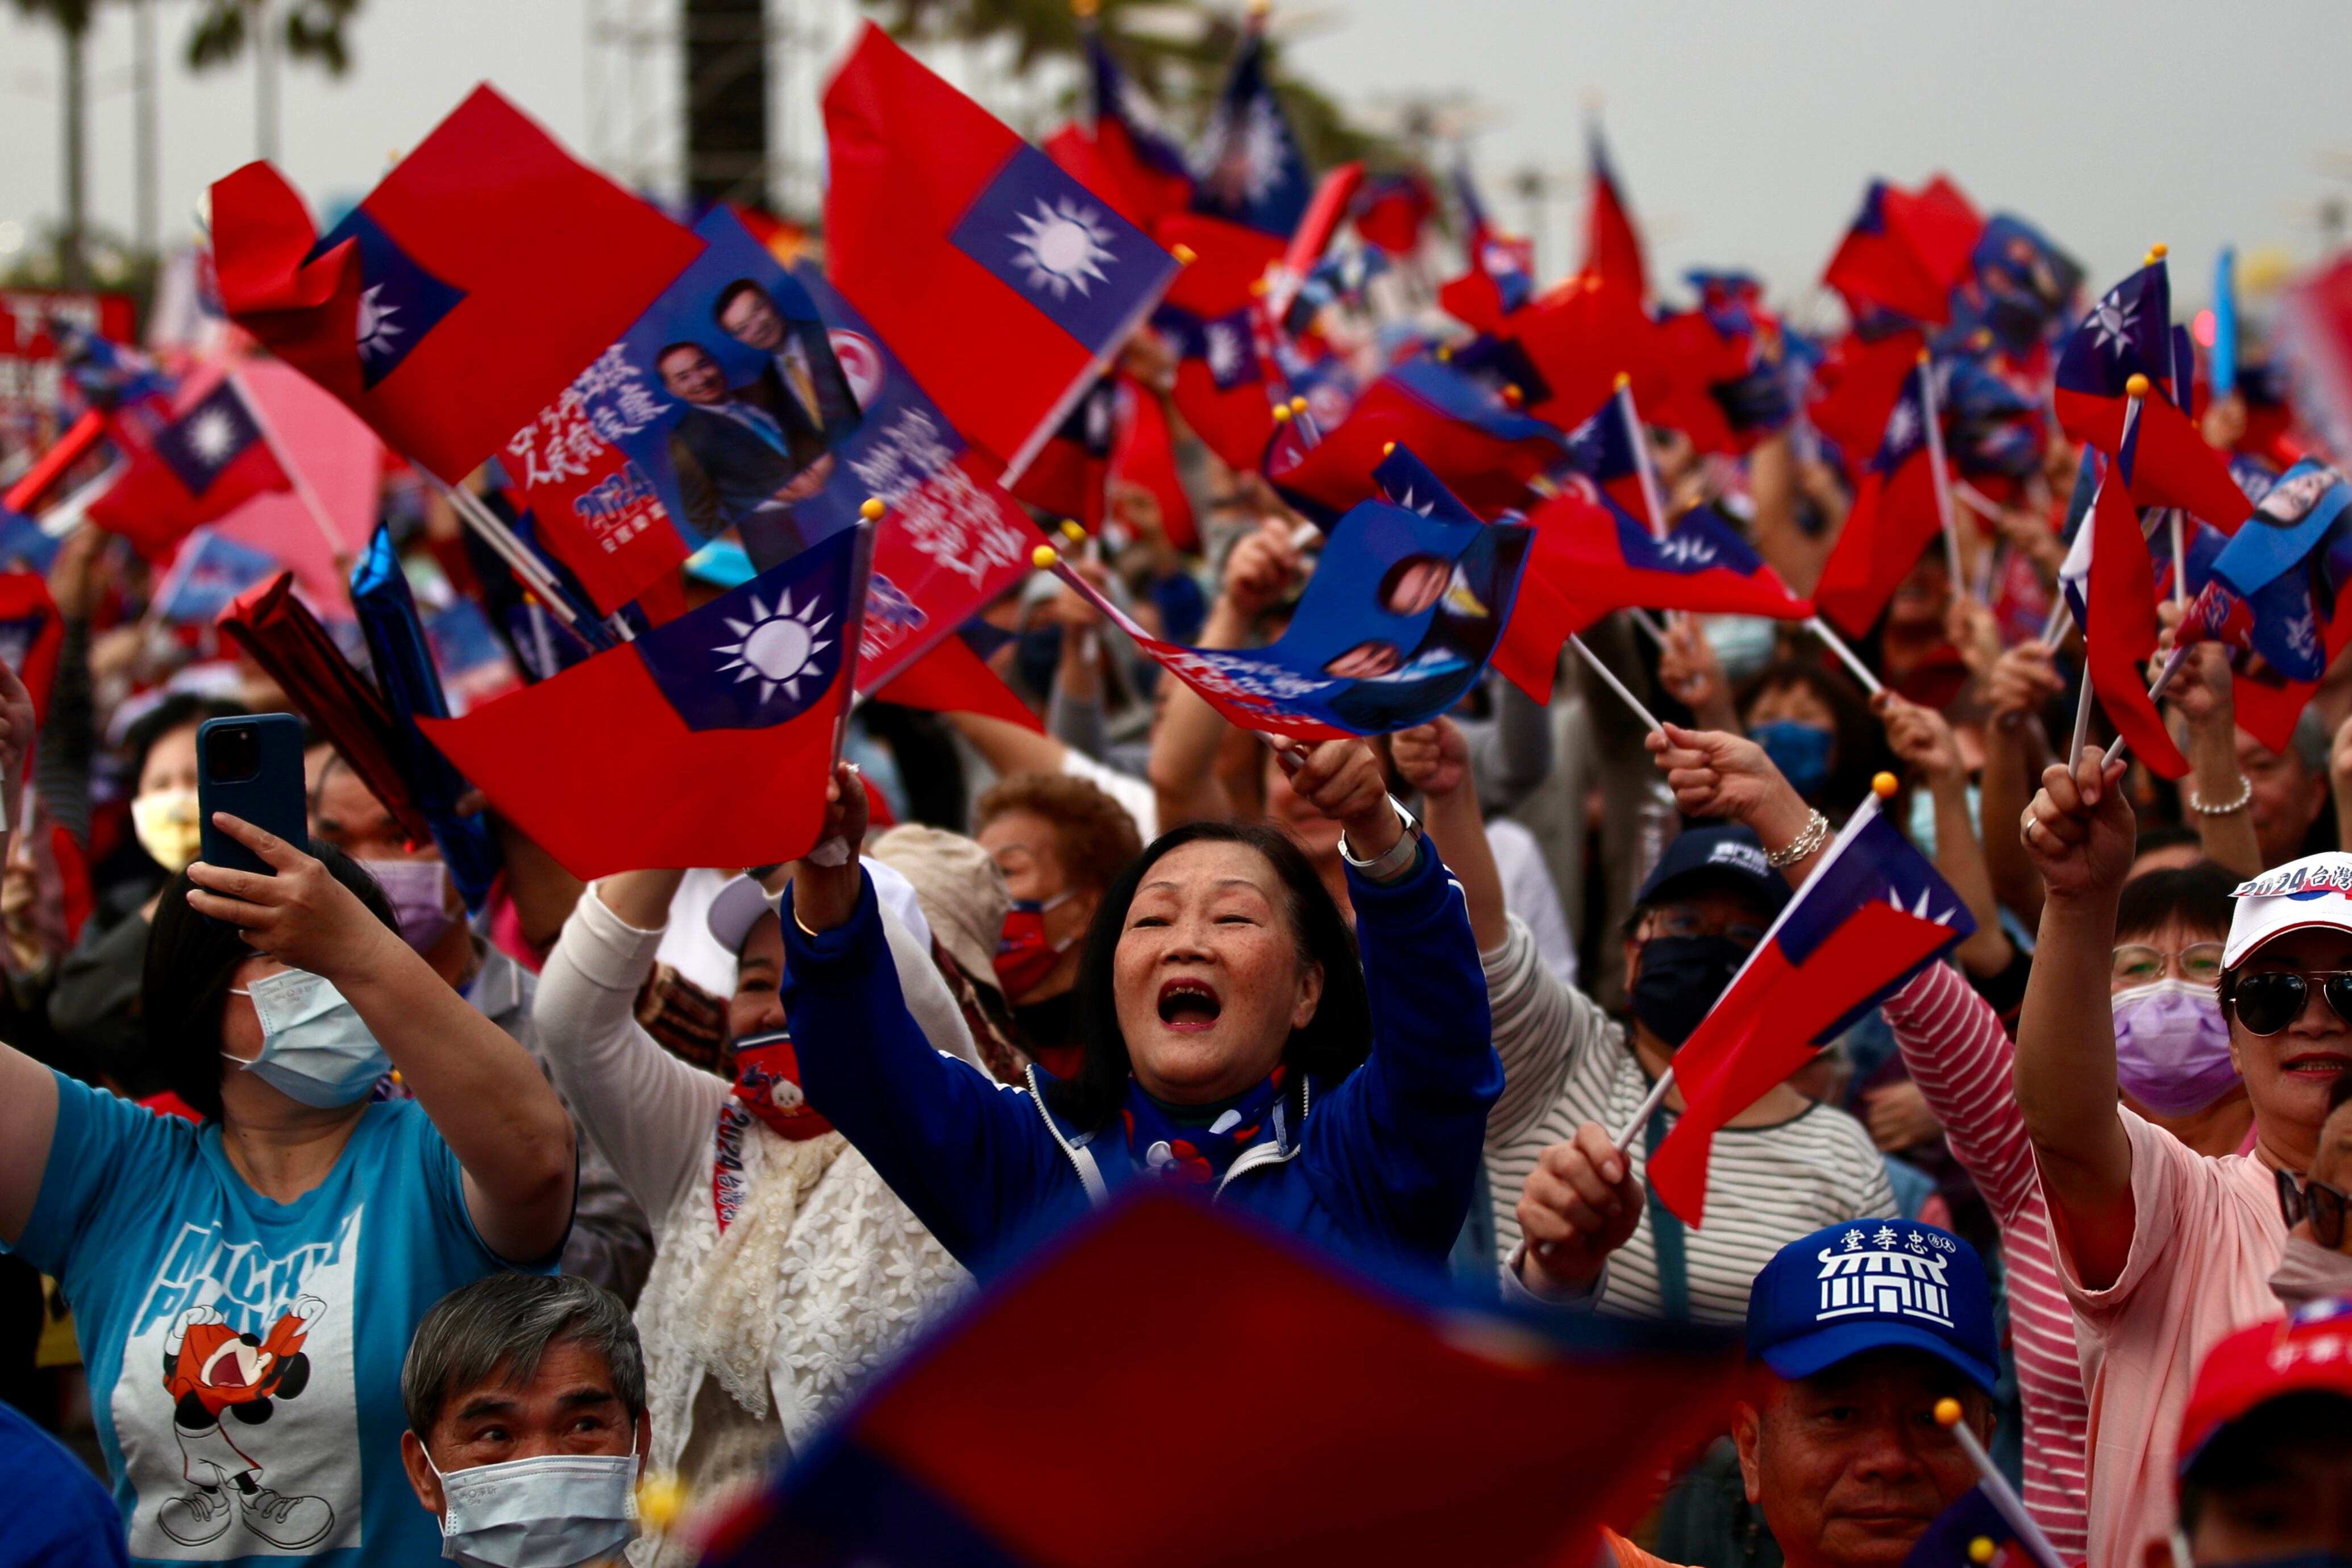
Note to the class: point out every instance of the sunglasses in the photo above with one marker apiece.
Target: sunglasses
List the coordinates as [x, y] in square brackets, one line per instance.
[2323, 1205]
[2268, 1001]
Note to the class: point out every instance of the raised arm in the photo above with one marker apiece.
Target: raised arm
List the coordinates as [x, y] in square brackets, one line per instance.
[2202, 695]
[1258, 572]
[1920, 737]
[28, 1092]
[2021, 681]
[486, 1096]
[1435, 758]
[975, 1161]
[2080, 832]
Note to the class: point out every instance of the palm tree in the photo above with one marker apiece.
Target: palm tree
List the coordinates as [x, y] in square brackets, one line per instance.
[72, 19]
[304, 30]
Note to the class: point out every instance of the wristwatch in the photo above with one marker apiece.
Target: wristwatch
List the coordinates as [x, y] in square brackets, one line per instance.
[1391, 862]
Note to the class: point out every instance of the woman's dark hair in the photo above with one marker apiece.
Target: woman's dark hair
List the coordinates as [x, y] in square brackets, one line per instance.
[190, 962]
[1861, 743]
[177, 711]
[1335, 1040]
[2196, 895]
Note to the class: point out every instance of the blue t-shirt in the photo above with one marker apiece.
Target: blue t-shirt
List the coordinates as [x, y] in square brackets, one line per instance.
[57, 1515]
[244, 1355]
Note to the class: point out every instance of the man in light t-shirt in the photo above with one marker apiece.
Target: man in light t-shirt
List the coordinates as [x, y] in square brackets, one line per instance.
[2165, 1252]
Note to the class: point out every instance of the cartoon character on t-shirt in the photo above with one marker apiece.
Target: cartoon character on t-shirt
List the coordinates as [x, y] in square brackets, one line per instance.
[209, 1370]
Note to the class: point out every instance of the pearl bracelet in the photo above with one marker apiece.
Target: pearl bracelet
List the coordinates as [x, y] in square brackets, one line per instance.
[2245, 795]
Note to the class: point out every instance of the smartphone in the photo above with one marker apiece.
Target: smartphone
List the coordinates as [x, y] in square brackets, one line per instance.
[251, 767]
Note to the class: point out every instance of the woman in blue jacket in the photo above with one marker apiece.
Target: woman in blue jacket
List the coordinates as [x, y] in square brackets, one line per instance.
[1232, 1041]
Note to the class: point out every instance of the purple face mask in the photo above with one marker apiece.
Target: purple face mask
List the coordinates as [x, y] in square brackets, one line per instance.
[2172, 1047]
[419, 892]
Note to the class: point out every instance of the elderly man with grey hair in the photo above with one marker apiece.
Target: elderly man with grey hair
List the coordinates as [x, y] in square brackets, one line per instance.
[527, 1424]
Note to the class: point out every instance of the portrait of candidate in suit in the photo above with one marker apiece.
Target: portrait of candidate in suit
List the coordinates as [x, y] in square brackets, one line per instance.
[736, 461]
[802, 384]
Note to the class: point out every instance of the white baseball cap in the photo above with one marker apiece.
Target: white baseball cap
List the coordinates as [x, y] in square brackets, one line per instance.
[741, 902]
[2313, 891]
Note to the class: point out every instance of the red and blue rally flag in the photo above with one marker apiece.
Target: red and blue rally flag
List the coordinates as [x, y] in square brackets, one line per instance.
[2129, 333]
[2274, 585]
[1904, 252]
[1247, 166]
[1598, 557]
[1406, 1414]
[2110, 585]
[1221, 383]
[1612, 247]
[1130, 140]
[30, 635]
[1873, 913]
[1501, 277]
[206, 573]
[1601, 452]
[462, 294]
[1001, 283]
[708, 738]
[1893, 516]
[208, 461]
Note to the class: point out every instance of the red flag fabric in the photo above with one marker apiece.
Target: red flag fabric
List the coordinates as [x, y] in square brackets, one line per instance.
[1580, 336]
[1600, 558]
[1613, 248]
[30, 635]
[1893, 519]
[1002, 285]
[1906, 251]
[1333, 193]
[1091, 164]
[1143, 452]
[2123, 629]
[2174, 467]
[1228, 266]
[1859, 382]
[462, 294]
[708, 738]
[207, 461]
[952, 678]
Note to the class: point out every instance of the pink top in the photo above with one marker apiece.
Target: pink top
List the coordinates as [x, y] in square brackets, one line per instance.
[1962, 1061]
[2206, 1238]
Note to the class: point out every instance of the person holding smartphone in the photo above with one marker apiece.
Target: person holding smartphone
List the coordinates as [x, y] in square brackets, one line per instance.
[244, 1287]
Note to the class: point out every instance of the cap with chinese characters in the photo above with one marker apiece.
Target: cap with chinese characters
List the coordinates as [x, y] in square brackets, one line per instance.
[1873, 1284]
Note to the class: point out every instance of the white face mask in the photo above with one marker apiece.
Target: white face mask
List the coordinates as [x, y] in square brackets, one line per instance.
[314, 1046]
[556, 1510]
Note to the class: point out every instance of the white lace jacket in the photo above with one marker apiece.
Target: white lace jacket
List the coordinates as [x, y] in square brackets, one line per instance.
[823, 1270]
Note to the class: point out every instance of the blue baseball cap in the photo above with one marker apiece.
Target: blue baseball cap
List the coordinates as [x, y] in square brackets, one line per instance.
[1725, 852]
[1872, 1284]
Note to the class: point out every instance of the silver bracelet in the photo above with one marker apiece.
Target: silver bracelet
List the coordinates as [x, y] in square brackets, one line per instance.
[2245, 795]
[1810, 838]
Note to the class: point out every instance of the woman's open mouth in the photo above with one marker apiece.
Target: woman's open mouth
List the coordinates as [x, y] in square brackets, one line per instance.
[2312, 1062]
[1187, 1004]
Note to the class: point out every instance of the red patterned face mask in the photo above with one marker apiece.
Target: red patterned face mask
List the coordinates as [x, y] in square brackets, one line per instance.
[768, 1082]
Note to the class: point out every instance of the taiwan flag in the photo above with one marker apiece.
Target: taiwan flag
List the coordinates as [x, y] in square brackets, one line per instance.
[1130, 140]
[1405, 1415]
[1612, 247]
[1003, 284]
[1477, 441]
[1221, 387]
[2129, 333]
[210, 459]
[1871, 916]
[1502, 270]
[706, 741]
[1601, 452]
[1598, 557]
[2110, 584]
[1904, 252]
[1893, 516]
[1247, 166]
[462, 294]
[31, 636]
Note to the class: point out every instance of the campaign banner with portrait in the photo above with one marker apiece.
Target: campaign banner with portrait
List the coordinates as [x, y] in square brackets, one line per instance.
[1399, 620]
[716, 416]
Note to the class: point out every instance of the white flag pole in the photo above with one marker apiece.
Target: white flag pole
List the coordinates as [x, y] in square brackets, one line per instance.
[1935, 422]
[337, 550]
[1639, 439]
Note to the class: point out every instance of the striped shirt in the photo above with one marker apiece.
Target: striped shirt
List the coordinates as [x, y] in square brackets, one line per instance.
[1566, 1062]
[1963, 1062]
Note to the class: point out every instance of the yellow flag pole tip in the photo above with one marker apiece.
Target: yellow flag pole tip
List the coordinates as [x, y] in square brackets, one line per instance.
[1948, 1412]
[1885, 784]
[1260, 8]
[871, 509]
[1298, 405]
[660, 1500]
[1624, 380]
[1184, 254]
[1045, 557]
[1082, 8]
[1281, 412]
[2135, 385]
[1073, 530]
[1388, 449]
[1981, 1550]
[2157, 253]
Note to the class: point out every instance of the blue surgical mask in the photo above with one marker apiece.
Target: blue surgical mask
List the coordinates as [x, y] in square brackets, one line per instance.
[556, 1510]
[314, 1046]
[1800, 751]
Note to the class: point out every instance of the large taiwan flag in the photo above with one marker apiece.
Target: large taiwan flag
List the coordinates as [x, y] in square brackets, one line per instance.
[2129, 333]
[1004, 285]
[1893, 516]
[462, 294]
[1871, 916]
[704, 742]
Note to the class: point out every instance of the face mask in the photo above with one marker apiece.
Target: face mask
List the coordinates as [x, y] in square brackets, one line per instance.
[168, 825]
[1800, 751]
[418, 891]
[1024, 956]
[314, 1049]
[2310, 1272]
[1680, 979]
[557, 1511]
[768, 1082]
[1743, 644]
[2172, 1047]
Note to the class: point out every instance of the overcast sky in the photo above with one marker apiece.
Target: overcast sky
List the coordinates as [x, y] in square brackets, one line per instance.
[1744, 132]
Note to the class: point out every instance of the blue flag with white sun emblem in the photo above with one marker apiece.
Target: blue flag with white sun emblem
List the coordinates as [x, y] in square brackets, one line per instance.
[1056, 244]
[1247, 168]
[765, 653]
